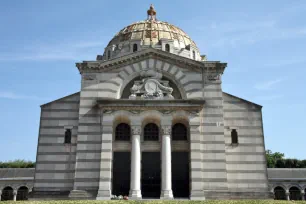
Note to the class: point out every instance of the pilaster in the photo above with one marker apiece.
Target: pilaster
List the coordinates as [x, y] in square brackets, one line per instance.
[105, 184]
[287, 195]
[15, 195]
[302, 194]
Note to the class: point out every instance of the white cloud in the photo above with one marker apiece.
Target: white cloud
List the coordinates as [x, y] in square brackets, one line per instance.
[14, 96]
[267, 84]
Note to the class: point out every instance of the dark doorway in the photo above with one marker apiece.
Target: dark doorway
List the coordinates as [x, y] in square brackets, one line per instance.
[150, 175]
[7, 194]
[295, 193]
[121, 173]
[22, 193]
[180, 174]
[279, 193]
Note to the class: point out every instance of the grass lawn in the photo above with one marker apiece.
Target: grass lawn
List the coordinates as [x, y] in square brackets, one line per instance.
[157, 202]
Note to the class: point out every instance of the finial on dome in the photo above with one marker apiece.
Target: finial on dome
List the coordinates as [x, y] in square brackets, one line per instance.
[151, 13]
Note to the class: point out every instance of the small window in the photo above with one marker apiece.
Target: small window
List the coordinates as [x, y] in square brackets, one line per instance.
[193, 55]
[123, 132]
[234, 136]
[135, 48]
[108, 54]
[151, 132]
[167, 48]
[179, 132]
[68, 136]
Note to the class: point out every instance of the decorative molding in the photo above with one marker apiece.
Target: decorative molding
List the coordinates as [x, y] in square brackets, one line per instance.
[102, 66]
[111, 105]
[166, 130]
[89, 77]
[136, 130]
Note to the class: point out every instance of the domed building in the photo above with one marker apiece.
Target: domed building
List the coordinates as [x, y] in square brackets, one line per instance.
[151, 121]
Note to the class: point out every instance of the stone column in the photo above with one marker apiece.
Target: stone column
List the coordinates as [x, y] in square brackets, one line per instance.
[135, 192]
[15, 195]
[166, 189]
[0, 194]
[303, 194]
[287, 195]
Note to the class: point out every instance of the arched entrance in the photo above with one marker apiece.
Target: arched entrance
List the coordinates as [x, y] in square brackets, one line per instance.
[7, 193]
[279, 193]
[295, 193]
[22, 193]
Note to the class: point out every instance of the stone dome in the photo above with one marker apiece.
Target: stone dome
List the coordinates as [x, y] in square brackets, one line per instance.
[151, 33]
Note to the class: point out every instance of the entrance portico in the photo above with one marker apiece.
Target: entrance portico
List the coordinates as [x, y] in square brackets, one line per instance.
[150, 147]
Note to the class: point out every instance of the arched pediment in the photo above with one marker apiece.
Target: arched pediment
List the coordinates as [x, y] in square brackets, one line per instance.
[151, 84]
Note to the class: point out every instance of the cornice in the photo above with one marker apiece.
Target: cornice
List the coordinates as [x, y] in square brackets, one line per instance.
[142, 105]
[104, 66]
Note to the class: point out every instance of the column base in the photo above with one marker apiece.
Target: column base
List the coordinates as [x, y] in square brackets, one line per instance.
[166, 195]
[104, 195]
[78, 194]
[197, 195]
[135, 195]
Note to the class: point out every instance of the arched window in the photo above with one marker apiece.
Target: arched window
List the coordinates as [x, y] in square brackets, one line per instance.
[151, 132]
[167, 48]
[279, 193]
[193, 55]
[68, 136]
[179, 132]
[135, 47]
[108, 54]
[295, 193]
[234, 136]
[123, 132]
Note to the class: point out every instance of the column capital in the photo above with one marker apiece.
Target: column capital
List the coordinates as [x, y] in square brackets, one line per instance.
[14, 192]
[166, 129]
[136, 130]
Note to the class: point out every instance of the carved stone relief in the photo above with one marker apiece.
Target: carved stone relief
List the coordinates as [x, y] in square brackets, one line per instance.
[151, 86]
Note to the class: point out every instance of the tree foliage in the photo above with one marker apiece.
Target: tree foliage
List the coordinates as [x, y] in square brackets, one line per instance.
[18, 163]
[277, 160]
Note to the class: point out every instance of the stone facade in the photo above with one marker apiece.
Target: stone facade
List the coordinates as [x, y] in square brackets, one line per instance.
[218, 168]
[161, 82]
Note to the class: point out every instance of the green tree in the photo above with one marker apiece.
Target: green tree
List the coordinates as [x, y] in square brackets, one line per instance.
[273, 157]
[18, 163]
[280, 163]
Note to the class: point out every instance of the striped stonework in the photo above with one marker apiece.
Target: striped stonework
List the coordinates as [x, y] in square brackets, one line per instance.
[55, 161]
[212, 139]
[218, 169]
[245, 162]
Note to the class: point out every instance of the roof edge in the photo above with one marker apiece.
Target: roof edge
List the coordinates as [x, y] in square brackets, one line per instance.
[60, 99]
[260, 106]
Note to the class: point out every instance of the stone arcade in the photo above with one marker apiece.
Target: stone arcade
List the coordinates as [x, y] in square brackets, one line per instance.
[151, 121]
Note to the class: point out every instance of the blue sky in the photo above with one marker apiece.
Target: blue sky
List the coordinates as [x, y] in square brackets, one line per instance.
[263, 42]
